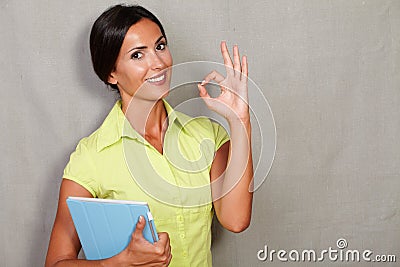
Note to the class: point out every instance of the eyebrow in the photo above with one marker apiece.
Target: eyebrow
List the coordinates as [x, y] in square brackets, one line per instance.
[144, 47]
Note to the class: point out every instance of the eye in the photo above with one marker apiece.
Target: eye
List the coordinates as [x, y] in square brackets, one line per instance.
[136, 55]
[161, 46]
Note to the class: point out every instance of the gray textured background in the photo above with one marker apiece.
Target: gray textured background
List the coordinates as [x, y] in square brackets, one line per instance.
[331, 73]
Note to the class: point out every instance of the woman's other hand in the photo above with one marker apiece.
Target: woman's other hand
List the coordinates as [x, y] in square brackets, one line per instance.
[140, 252]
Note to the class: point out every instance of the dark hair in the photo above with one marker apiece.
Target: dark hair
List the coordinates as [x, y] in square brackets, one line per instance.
[108, 33]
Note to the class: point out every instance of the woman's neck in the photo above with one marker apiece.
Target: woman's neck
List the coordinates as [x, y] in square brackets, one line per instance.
[148, 118]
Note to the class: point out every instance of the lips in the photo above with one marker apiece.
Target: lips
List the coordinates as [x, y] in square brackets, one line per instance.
[157, 79]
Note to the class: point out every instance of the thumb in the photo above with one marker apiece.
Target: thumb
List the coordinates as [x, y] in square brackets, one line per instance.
[205, 96]
[137, 239]
[202, 90]
[138, 233]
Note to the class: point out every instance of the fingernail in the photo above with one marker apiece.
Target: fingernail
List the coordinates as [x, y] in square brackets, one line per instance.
[140, 219]
[203, 82]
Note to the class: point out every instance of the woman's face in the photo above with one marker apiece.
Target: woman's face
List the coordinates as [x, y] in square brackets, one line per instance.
[143, 62]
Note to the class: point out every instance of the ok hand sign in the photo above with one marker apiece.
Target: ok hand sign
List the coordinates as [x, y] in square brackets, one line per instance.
[232, 103]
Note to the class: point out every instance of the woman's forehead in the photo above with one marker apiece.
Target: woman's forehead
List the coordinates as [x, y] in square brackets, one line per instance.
[144, 31]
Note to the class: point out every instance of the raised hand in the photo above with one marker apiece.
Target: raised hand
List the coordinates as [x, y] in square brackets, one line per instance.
[232, 103]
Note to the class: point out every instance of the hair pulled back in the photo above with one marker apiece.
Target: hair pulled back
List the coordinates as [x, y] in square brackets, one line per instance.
[108, 33]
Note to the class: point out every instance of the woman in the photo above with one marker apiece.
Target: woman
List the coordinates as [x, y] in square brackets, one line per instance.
[130, 53]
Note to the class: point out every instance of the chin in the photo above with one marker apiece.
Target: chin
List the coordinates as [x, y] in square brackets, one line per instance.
[165, 94]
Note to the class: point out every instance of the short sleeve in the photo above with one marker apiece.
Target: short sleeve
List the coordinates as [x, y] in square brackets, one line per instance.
[220, 134]
[81, 168]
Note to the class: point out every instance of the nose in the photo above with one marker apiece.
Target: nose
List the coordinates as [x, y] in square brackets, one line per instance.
[157, 62]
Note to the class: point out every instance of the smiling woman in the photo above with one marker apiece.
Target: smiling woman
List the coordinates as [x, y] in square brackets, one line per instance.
[144, 56]
[130, 53]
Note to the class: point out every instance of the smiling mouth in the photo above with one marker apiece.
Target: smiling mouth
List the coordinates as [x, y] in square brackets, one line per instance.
[157, 79]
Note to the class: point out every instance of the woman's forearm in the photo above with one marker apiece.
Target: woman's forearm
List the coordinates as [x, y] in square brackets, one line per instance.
[81, 263]
[236, 189]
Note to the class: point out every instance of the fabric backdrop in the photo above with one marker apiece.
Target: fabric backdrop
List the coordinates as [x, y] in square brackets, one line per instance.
[329, 69]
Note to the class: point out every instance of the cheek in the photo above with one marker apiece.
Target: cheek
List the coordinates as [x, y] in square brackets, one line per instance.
[136, 75]
[139, 70]
[168, 58]
[132, 77]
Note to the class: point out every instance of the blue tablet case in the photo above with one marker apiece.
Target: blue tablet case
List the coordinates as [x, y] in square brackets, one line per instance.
[105, 226]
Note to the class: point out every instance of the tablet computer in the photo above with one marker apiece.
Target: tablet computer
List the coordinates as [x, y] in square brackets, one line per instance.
[105, 226]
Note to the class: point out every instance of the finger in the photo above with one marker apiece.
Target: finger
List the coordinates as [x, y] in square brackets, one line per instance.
[245, 68]
[168, 249]
[168, 245]
[236, 61]
[213, 76]
[169, 259]
[227, 59]
[163, 239]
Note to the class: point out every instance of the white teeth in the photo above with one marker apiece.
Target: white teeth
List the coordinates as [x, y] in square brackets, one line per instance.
[154, 80]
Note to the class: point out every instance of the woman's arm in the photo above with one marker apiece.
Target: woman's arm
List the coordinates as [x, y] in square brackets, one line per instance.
[64, 243]
[233, 196]
[232, 169]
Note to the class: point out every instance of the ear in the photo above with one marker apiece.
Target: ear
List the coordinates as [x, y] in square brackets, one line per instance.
[112, 78]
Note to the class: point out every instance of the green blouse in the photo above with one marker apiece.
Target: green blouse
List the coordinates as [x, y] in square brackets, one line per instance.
[116, 162]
